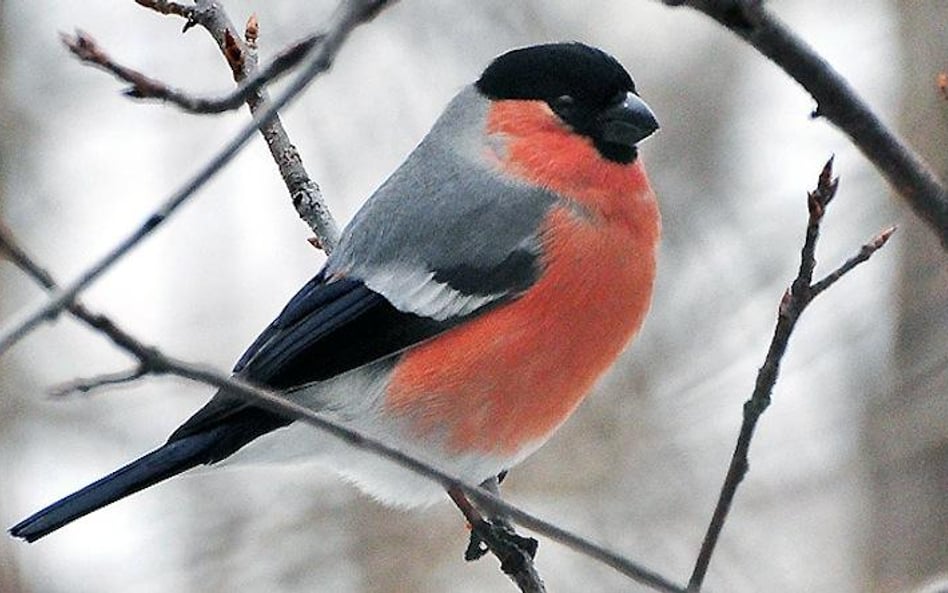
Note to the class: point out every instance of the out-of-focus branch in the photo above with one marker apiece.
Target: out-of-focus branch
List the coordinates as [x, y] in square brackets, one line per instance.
[145, 354]
[157, 363]
[837, 102]
[349, 15]
[800, 294]
[85, 385]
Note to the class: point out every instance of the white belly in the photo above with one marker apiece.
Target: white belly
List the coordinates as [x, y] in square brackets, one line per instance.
[355, 400]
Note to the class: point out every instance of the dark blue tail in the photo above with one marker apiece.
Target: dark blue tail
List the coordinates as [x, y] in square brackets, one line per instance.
[162, 463]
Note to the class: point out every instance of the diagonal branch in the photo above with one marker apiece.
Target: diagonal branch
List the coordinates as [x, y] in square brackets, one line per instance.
[125, 341]
[837, 102]
[349, 15]
[865, 252]
[158, 363]
[796, 299]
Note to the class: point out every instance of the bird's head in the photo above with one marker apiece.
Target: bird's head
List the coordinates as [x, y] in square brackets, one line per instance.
[582, 88]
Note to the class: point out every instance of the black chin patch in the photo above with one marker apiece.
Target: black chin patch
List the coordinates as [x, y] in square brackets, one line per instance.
[617, 153]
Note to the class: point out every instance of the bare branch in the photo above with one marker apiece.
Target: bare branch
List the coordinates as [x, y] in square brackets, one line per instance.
[347, 17]
[100, 323]
[242, 59]
[158, 363]
[85, 47]
[865, 252]
[837, 102]
[100, 381]
[166, 7]
[816, 203]
[800, 294]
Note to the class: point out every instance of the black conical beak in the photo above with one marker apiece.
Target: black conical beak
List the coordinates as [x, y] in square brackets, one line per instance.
[627, 123]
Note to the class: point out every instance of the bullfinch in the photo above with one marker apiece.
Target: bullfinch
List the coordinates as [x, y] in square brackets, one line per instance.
[470, 304]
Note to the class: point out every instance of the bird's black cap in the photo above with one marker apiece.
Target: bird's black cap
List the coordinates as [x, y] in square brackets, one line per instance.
[545, 72]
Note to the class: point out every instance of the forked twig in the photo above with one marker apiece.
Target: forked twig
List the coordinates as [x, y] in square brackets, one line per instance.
[795, 300]
[350, 14]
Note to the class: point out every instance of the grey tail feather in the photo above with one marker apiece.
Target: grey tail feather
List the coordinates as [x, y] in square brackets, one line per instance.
[162, 463]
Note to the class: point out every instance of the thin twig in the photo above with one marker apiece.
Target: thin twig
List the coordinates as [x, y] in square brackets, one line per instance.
[865, 252]
[85, 385]
[241, 56]
[16, 254]
[837, 102]
[795, 300]
[85, 47]
[166, 7]
[125, 341]
[350, 15]
[484, 499]
[158, 363]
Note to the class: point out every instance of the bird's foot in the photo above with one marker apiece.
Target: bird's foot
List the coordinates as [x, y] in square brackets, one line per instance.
[498, 536]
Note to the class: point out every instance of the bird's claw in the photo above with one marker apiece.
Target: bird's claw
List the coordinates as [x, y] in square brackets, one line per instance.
[501, 538]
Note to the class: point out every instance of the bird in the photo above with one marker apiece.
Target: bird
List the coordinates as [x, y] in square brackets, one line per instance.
[470, 304]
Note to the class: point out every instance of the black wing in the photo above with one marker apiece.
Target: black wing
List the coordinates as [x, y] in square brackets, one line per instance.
[328, 328]
[332, 325]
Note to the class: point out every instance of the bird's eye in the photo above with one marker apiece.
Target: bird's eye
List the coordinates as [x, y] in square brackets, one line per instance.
[564, 106]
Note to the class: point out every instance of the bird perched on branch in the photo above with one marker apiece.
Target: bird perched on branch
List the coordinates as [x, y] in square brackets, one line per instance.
[471, 303]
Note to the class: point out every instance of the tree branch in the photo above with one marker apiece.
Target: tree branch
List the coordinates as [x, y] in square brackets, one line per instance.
[837, 102]
[800, 294]
[88, 51]
[242, 60]
[349, 15]
[241, 57]
[166, 7]
[158, 363]
[85, 385]
[16, 254]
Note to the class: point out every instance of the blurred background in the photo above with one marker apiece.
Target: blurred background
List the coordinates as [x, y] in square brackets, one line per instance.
[848, 489]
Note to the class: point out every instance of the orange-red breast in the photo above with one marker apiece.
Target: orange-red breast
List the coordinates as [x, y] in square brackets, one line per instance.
[471, 303]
